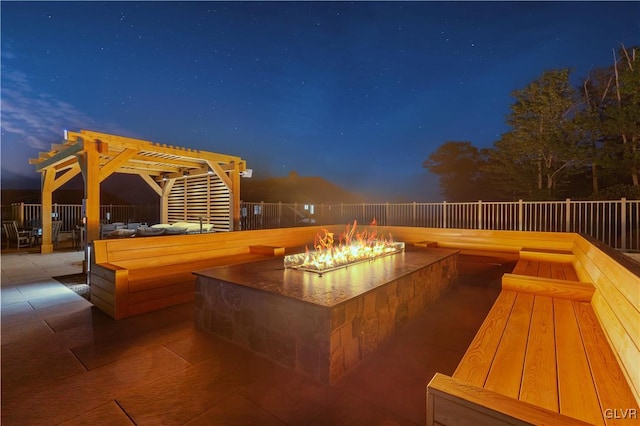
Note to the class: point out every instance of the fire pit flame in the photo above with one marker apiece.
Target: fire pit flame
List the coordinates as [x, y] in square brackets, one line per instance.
[352, 247]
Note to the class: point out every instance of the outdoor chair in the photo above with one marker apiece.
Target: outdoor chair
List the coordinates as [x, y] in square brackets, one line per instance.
[106, 229]
[21, 238]
[78, 237]
[56, 225]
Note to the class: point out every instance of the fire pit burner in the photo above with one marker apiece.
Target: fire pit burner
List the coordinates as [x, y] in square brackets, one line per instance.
[353, 247]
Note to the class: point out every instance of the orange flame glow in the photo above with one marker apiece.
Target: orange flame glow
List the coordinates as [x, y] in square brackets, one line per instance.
[352, 247]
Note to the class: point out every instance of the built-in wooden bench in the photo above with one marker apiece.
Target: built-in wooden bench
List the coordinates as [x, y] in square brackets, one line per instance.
[549, 352]
[580, 325]
[559, 346]
[136, 275]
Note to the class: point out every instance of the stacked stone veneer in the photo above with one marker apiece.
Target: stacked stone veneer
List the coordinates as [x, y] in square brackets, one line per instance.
[320, 341]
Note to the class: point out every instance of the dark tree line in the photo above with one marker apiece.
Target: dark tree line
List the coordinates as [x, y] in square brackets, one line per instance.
[564, 141]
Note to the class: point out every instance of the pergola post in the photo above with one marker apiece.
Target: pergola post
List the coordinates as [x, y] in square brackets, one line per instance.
[235, 197]
[90, 166]
[47, 186]
[164, 200]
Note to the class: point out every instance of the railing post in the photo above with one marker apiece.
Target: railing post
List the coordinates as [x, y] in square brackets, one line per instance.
[386, 214]
[21, 218]
[567, 215]
[520, 214]
[279, 213]
[413, 214]
[264, 222]
[444, 214]
[479, 214]
[623, 223]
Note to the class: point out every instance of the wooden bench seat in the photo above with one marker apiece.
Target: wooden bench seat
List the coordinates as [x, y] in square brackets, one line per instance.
[540, 346]
[548, 352]
[546, 269]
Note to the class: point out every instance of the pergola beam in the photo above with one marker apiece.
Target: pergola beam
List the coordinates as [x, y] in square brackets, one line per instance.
[59, 157]
[220, 173]
[152, 183]
[143, 145]
[112, 166]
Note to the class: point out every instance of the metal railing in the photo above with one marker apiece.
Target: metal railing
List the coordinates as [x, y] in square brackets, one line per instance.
[614, 222]
[71, 214]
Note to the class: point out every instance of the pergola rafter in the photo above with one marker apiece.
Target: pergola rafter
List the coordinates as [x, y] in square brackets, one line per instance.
[99, 155]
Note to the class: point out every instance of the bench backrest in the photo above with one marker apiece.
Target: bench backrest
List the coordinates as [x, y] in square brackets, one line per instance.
[616, 301]
[505, 241]
[174, 249]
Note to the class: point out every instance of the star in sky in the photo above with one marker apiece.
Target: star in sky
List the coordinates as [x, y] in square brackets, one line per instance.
[359, 93]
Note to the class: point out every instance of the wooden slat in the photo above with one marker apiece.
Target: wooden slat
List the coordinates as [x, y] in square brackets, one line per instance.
[621, 342]
[532, 268]
[547, 255]
[544, 270]
[459, 412]
[557, 271]
[476, 362]
[505, 374]
[539, 378]
[176, 289]
[106, 284]
[510, 240]
[482, 246]
[548, 287]
[105, 296]
[576, 388]
[570, 272]
[598, 263]
[616, 304]
[521, 267]
[611, 385]
[626, 313]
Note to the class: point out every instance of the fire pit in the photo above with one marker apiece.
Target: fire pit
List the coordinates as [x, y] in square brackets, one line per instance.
[320, 323]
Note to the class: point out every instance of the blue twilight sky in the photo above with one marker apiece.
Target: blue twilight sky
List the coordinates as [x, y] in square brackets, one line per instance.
[359, 93]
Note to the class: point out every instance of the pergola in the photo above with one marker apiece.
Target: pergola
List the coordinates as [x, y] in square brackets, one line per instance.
[98, 155]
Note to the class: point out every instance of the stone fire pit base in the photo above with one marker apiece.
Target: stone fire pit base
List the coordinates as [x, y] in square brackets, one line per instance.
[320, 326]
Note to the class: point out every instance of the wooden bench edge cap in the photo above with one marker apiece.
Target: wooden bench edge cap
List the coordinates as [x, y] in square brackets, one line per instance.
[565, 289]
[485, 400]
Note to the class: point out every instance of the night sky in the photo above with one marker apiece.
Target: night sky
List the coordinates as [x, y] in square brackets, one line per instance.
[358, 93]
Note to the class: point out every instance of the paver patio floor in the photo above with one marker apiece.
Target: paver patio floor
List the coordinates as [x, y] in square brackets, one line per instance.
[65, 362]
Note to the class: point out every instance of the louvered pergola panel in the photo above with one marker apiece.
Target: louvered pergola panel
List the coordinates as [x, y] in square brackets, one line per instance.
[203, 197]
